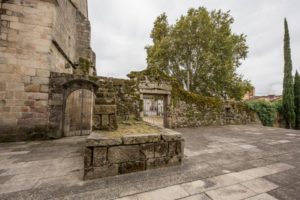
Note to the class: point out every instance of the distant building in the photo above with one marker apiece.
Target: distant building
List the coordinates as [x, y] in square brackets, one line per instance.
[270, 97]
[249, 95]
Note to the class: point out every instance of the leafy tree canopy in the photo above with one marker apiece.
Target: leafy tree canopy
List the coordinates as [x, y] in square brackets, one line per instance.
[201, 52]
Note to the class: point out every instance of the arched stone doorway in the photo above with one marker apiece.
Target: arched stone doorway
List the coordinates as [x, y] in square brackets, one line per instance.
[71, 100]
[79, 99]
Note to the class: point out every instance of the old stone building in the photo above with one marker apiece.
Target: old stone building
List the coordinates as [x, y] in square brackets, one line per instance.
[49, 88]
[37, 38]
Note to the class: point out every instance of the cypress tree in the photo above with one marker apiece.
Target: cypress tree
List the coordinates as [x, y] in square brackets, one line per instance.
[288, 89]
[297, 100]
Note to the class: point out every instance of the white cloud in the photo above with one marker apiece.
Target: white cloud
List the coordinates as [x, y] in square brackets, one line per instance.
[120, 31]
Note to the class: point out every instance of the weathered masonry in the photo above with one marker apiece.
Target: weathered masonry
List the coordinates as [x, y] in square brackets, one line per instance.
[37, 38]
[109, 156]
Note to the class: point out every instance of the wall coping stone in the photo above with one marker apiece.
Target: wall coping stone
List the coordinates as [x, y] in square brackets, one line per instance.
[97, 139]
[110, 155]
[141, 138]
[100, 139]
[170, 135]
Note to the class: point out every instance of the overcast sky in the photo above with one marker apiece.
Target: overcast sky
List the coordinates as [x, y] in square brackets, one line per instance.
[121, 28]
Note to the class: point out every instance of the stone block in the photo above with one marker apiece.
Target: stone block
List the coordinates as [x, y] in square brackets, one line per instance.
[9, 18]
[2, 86]
[176, 148]
[104, 101]
[88, 154]
[105, 109]
[43, 73]
[26, 79]
[14, 86]
[99, 156]
[135, 166]
[39, 80]
[100, 172]
[98, 139]
[161, 149]
[44, 88]
[141, 139]
[104, 121]
[180, 147]
[147, 150]
[32, 88]
[121, 154]
[172, 149]
[156, 163]
[96, 122]
[175, 160]
[38, 96]
[170, 135]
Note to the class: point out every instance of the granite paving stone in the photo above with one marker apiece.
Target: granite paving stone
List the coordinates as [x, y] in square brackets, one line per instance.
[197, 197]
[260, 185]
[169, 193]
[263, 196]
[234, 192]
[230, 162]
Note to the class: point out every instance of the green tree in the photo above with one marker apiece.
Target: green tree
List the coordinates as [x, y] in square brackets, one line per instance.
[297, 100]
[288, 105]
[201, 52]
[158, 53]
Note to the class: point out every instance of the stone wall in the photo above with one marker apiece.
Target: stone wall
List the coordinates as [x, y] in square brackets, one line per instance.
[127, 97]
[24, 68]
[105, 156]
[37, 37]
[60, 87]
[187, 109]
[65, 29]
[82, 6]
[184, 114]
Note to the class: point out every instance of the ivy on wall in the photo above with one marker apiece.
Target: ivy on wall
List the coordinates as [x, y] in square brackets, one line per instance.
[153, 74]
[267, 111]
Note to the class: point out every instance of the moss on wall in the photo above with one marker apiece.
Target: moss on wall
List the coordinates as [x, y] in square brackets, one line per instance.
[153, 74]
[127, 96]
[190, 109]
[85, 67]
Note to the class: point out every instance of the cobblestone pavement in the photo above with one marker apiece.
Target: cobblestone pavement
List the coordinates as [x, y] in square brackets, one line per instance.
[221, 163]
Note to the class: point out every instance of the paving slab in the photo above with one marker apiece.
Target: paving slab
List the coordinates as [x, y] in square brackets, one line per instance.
[197, 197]
[215, 158]
[169, 193]
[260, 185]
[129, 198]
[235, 192]
[263, 196]
[258, 172]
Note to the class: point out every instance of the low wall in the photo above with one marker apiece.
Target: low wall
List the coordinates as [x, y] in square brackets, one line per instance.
[107, 156]
[185, 114]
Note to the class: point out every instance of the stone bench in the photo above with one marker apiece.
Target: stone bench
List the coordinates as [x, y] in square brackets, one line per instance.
[109, 156]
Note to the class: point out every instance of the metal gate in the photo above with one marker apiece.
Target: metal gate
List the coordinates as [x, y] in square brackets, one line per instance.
[78, 113]
[154, 109]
